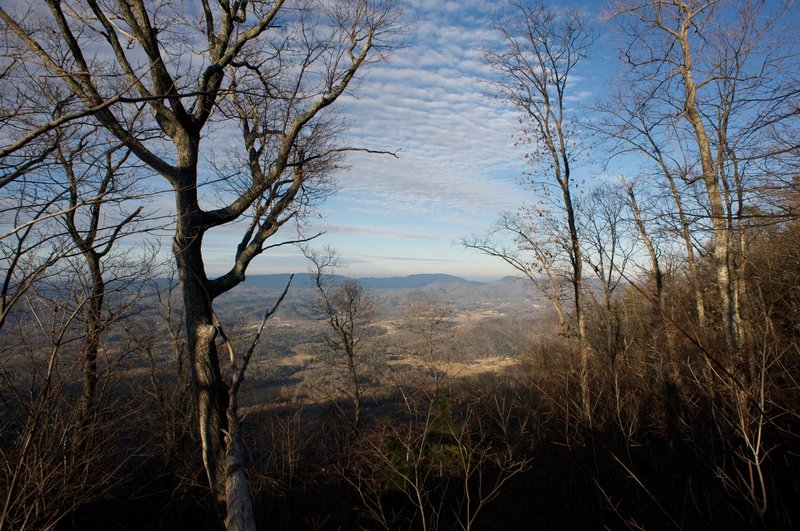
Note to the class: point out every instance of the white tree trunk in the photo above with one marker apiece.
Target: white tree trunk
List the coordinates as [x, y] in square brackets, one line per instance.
[240, 516]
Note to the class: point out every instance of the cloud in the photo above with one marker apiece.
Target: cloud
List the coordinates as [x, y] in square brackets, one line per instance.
[422, 259]
[386, 232]
[458, 158]
[458, 163]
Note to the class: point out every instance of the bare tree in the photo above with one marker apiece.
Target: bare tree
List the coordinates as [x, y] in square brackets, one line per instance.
[430, 323]
[54, 457]
[630, 119]
[725, 74]
[66, 284]
[269, 69]
[608, 250]
[535, 68]
[482, 469]
[705, 63]
[100, 173]
[437, 457]
[349, 311]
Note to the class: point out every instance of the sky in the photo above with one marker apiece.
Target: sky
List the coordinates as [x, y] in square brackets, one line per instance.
[457, 165]
[457, 168]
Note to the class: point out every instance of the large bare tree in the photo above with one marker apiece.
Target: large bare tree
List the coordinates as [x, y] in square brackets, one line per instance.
[535, 70]
[718, 74]
[67, 286]
[228, 103]
[723, 74]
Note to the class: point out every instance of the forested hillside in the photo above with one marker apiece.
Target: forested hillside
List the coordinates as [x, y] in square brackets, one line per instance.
[639, 369]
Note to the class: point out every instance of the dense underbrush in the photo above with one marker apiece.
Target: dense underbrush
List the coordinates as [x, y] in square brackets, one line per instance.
[499, 451]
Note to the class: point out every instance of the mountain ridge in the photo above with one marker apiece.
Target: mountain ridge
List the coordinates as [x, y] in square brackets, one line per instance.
[305, 280]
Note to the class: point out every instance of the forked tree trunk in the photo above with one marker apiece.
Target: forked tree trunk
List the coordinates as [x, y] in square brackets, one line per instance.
[210, 387]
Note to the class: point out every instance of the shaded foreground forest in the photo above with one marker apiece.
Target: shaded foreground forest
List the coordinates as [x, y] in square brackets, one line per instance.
[641, 374]
[668, 446]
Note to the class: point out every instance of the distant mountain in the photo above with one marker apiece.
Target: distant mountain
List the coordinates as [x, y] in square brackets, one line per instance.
[278, 281]
[413, 281]
[305, 280]
[393, 295]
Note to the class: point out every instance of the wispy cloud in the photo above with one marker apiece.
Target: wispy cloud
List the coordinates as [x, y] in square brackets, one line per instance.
[422, 259]
[386, 232]
[457, 154]
[458, 162]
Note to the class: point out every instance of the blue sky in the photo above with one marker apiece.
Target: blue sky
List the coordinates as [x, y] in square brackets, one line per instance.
[458, 164]
[457, 167]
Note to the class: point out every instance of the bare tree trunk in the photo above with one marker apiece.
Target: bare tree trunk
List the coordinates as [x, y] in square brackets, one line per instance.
[211, 391]
[240, 515]
[738, 238]
[94, 328]
[718, 219]
[740, 292]
[94, 236]
[576, 258]
[209, 386]
[664, 317]
[351, 369]
[651, 250]
[694, 272]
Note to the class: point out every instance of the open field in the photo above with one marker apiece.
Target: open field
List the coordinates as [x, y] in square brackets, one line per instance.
[294, 363]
